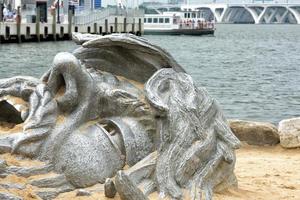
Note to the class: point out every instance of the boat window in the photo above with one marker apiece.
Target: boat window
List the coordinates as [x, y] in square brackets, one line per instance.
[161, 20]
[155, 20]
[167, 20]
[145, 20]
[149, 20]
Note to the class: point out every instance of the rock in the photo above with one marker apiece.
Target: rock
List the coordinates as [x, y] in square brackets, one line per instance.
[82, 192]
[109, 188]
[12, 186]
[8, 196]
[255, 133]
[50, 182]
[289, 132]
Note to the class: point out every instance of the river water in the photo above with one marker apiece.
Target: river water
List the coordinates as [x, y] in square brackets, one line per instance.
[252, 70]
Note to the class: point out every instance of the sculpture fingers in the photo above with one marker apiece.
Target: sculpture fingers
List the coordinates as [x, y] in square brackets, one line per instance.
[142, 174]
[80, 38]
[193, 159]
[20, 86]
[42, 117]
[224, 133]
[127, 189]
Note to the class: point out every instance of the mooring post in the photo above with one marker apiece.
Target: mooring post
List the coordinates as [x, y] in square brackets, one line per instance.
[140, 26]
[116, 24]
[70, 21]
[18, 21]
[95, 28]
[125, 25]
[133, 26]
[106, 26]
[0, 34]
[1, 12]
[54, 25]
[37, 26]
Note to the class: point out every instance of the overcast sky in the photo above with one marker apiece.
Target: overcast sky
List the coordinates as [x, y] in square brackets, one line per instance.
[105, 2]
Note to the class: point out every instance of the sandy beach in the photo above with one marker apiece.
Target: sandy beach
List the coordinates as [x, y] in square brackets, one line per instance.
[267, 173]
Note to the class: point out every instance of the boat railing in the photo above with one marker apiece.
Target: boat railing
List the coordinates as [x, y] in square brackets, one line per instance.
[197, 25]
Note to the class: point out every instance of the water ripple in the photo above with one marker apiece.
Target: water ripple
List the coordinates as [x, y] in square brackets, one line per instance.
[252, 70]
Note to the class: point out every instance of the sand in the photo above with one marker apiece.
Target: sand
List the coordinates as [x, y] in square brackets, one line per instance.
[267, 173]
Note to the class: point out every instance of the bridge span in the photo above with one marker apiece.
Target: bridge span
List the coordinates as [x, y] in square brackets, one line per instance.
[249, 13]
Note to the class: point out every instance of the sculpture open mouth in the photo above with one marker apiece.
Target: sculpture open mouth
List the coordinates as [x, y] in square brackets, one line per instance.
[114, 133]
[11, 111]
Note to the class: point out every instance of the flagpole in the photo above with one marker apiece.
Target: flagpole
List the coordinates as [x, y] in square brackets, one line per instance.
[58, 20]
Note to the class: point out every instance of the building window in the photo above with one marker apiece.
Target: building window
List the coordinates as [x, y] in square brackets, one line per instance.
[145, 20]
[161, 20]
[167, 20]
[155, 20]
[149, 20]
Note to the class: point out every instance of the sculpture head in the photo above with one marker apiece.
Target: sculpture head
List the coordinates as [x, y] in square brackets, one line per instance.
[119, 100]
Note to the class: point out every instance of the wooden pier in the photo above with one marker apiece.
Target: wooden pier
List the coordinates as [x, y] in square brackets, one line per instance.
[106, 23]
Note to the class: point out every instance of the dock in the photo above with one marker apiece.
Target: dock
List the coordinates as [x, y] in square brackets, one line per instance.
[102, 22]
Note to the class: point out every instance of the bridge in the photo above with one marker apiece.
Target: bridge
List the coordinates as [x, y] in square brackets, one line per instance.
[256, 13]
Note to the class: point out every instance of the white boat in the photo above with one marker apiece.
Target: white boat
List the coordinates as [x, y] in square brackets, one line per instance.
[177, 23]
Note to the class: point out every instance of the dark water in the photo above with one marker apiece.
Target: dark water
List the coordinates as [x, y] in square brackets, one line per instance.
[252, 70]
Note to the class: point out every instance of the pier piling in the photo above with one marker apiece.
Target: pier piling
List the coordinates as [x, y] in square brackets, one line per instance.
[133, 26]
[18, 22]
[106, 26]
[70, 22]
[140, 26]
[37, 26]
[54, 25]
[95, 28]
[116, 24]
[125, 25]
[1, 12]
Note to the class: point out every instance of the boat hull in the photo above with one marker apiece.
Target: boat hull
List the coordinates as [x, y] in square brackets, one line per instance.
[179, 32]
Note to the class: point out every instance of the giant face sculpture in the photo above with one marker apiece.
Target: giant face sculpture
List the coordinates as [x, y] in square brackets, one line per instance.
[119, 101]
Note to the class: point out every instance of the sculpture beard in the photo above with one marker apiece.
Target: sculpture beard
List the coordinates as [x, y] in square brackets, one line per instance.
[92, 113]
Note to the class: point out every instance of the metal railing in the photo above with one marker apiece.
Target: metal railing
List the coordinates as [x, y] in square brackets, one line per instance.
[197, 25]
[89, 16]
